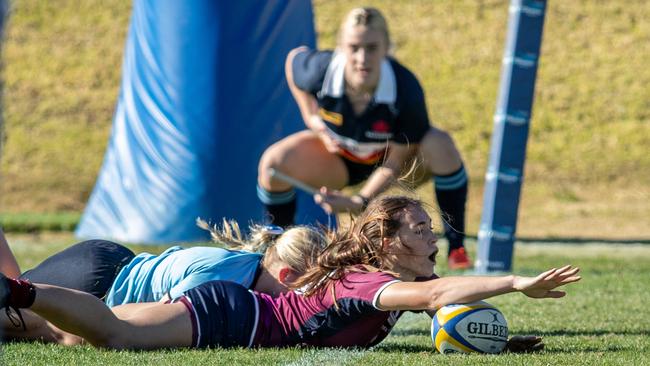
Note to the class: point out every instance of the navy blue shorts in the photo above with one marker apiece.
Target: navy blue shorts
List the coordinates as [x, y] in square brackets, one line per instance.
[358, 172]
[90, 266]
[224, 314]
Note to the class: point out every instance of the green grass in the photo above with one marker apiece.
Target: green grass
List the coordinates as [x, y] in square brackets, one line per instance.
[588, 139]
[603, 320]
[29, 222]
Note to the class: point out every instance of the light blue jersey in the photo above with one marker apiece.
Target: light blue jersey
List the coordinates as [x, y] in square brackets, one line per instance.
[149, 277]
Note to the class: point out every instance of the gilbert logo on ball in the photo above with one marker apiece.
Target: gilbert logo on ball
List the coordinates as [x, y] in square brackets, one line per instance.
[467, 328]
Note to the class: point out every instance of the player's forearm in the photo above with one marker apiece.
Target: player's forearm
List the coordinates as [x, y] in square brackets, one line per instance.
[378, 181]
[389, 171]
[451, 290]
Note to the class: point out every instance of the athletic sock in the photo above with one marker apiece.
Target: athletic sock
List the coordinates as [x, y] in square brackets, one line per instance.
[280, 206]
[451, 193]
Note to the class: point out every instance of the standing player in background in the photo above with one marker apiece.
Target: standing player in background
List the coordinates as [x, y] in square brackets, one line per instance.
[367, 120]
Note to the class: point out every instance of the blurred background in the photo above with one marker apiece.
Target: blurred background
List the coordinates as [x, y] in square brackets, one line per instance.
[588, 163]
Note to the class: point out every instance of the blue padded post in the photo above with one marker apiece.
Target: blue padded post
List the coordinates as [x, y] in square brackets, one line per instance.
[203, 94]
[504, 175]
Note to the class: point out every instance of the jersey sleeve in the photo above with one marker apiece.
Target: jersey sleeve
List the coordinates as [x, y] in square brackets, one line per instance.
[412, 120]
[367, 286]
[309, 67]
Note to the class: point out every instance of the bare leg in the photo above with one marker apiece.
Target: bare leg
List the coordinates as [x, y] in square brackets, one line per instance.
[439, 153]
[35, 329]
[304, 157]
[126, 311]
[149, 326]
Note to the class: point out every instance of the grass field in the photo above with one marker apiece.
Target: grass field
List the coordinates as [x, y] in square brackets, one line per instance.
[602, 321]
[589, 135]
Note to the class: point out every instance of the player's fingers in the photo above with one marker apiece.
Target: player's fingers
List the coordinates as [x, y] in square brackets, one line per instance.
[531, 339]
[564, 268]
[547, 274]
[327, 208]
[570, 273]
[571, 279]
[537, 347]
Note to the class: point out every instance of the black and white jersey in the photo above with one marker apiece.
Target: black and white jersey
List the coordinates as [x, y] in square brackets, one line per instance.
[396, 113]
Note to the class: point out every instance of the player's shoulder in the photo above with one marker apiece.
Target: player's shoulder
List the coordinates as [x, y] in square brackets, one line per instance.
[406, 80]
[309, 67]
[361, 277]
[311, 59]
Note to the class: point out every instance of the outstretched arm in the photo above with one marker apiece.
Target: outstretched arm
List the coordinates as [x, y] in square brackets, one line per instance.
[8, 264]
[434, 294]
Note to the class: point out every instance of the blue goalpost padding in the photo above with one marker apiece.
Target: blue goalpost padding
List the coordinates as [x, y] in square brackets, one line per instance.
[203, 94]
[504, 175]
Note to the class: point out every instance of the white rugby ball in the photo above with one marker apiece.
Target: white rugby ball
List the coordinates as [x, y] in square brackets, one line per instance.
[468, 328]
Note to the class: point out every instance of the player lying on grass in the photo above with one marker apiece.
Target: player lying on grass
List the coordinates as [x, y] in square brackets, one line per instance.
[363, 281]
[269, 260]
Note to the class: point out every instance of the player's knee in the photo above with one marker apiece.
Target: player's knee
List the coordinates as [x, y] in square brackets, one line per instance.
[438, 137]
[437, 142]
[276, 156]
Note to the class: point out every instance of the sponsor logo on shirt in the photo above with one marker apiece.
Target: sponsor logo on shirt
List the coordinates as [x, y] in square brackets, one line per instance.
[331, 117]
[380, 130]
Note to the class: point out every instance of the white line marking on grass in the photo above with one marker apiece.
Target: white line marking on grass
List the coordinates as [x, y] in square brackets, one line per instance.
[328, 357]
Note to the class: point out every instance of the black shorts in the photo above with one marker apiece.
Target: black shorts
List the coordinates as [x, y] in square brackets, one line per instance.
[224, 314]
[358, 172]
[90, 266]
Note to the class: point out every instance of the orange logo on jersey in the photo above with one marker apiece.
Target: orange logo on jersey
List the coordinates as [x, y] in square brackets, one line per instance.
[331, 117]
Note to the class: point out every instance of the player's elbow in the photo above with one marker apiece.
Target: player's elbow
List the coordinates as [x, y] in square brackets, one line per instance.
[434, 300]
[288, 63]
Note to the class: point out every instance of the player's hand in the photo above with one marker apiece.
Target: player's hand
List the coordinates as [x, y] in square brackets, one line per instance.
[317, 125]
[522, 344]
[544, 284]
[335, 201]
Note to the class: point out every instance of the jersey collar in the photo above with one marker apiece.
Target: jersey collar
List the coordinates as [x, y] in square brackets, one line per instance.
[334, 82]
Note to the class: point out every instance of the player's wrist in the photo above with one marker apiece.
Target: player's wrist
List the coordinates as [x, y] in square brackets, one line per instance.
[316, 123]
[515, 283]
[361, 201]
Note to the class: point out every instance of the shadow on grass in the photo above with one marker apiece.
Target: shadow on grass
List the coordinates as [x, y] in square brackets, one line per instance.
[404, 348]
[576, 333]
[413, 348]
[574, 240]
[410, 332]
[612, 348]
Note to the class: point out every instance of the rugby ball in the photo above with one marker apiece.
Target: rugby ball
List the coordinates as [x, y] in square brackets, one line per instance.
[469, 328]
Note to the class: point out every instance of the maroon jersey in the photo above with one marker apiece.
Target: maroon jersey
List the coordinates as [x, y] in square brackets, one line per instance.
[355, 320]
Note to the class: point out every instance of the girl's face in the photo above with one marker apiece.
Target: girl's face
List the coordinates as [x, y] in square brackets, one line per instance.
[365, 49]
[414, 250]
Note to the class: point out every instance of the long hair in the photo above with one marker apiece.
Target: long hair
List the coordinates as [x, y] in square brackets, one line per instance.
[296, 247]
[360, 247]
